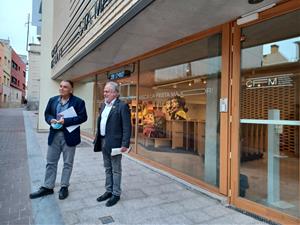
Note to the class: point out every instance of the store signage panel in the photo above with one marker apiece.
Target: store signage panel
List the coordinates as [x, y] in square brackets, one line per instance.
[269, 82]
[118, 75]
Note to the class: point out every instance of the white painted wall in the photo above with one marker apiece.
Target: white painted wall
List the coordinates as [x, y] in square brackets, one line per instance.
[33, 83]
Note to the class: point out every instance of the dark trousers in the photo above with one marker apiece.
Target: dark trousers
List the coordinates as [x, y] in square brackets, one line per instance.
[113, 170]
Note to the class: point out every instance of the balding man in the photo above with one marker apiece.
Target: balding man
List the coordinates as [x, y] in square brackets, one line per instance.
[60, 140]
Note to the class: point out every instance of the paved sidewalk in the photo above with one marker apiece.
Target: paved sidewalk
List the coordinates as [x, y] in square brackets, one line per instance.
[148, 197]
[15, 181]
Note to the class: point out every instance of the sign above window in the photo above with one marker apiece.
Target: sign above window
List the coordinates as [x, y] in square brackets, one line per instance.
[271, 81]
[118, 75]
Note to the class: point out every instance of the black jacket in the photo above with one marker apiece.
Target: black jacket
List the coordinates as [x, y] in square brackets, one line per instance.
[118, 126]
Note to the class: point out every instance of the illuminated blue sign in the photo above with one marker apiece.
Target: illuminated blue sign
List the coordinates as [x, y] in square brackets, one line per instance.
[118, 75]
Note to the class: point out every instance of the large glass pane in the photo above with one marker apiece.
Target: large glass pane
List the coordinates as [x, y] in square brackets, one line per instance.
[270, 121]
[128, 92]
[178, 119]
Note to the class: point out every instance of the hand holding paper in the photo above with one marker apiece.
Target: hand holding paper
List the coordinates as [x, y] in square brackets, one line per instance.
[69, 113]
[117, 151]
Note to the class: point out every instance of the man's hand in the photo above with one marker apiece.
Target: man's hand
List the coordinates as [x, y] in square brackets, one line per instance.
[124, 149]
[127, 150]
[53, 121]
[61, 121]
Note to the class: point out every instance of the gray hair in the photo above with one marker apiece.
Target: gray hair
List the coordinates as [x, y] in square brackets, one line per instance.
[113, 85]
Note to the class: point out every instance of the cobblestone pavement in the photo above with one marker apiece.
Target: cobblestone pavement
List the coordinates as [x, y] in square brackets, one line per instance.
[149, 196]
[15, 181]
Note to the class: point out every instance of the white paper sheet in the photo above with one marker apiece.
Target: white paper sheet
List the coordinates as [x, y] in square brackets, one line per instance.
[69, 113]
[117, 151]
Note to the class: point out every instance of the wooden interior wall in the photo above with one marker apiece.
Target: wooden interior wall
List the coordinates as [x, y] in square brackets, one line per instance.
[255, 104]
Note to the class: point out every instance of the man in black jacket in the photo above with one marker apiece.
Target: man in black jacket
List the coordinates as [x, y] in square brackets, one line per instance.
[60, 140]
[114, 131]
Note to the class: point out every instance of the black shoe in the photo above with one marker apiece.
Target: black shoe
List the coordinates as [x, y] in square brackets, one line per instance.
[63, 193]
[104, 197]
[41, 192]
[112, 201]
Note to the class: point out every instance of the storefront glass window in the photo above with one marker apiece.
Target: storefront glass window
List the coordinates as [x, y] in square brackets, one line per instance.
[270, 121]
[178, 116]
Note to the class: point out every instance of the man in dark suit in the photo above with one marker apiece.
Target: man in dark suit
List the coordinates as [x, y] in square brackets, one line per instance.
[114, 131]
[60, 140]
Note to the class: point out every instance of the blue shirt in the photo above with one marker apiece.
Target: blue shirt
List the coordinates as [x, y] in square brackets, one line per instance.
[61, 107]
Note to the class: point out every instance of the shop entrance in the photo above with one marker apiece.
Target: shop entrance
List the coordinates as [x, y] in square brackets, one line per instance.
[179, 108]
[265, 128]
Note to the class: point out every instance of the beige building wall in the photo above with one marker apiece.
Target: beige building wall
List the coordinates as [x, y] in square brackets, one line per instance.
[48, 87]
[33, 83]
[6, 73]
[275, 57]
[61, 18]
[15, 97]
[85, 91]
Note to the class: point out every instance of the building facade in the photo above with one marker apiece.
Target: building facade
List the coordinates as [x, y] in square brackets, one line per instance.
[18, 79]
[5, 70]
[34, 58]
[34, 73]
[210, 103]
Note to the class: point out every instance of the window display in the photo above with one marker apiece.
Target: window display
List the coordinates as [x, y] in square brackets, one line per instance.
[178, 109]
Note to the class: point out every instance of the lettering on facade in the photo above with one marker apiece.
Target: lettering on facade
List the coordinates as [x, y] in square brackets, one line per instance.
[87, 20]
[164, 95]
[269, 82]
[92, 15]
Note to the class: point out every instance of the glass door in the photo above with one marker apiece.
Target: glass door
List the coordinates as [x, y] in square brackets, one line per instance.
[267, 136]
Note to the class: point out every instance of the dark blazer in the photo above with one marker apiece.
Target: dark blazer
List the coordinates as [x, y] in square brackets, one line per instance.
[118, 127]
[73, 138]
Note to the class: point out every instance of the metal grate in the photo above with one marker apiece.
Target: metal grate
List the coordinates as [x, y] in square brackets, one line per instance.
[257, 217]
[106, 219]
